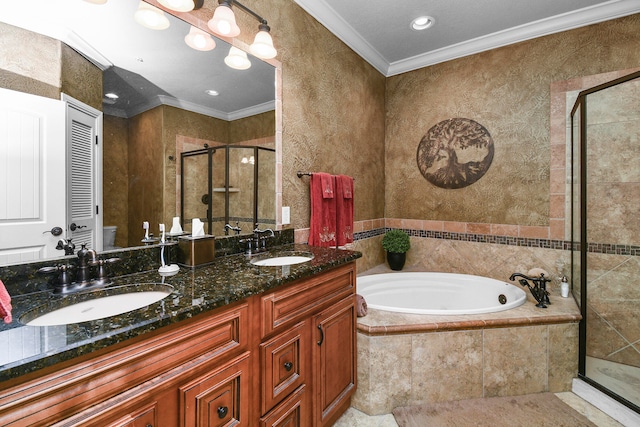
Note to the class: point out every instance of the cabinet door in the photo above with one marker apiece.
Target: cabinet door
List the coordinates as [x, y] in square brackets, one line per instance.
[334, 361]
[283, 364]
[220, 398]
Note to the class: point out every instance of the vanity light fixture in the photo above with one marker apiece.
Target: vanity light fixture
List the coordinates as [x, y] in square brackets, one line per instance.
[224, 24]
[199, 40]
[151, 17]
[422, 23]
[223, 21]
[182, 5]
[237, 59]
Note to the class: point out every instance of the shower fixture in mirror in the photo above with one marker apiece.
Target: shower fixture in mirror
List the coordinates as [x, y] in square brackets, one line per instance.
[156, 94]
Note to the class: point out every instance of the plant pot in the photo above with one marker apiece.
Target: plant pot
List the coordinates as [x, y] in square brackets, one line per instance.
[396, 260]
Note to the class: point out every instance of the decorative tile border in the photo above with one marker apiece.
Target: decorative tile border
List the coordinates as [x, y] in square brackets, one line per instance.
[603, 248]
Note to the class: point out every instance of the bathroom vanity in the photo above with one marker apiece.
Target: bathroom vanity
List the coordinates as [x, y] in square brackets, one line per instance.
[234, 344]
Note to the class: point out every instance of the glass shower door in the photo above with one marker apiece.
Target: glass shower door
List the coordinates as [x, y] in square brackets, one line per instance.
[610, 237]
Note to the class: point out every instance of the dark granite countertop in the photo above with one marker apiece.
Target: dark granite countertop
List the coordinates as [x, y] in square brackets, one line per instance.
[228, 279]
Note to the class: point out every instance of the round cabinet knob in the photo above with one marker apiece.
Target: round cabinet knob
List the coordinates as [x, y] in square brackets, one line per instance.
[222, 411]
[288, 366]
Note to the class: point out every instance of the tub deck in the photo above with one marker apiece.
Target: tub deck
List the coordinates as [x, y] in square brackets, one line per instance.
[379, 322]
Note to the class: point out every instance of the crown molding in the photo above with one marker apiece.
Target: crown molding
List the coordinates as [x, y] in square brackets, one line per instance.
[579, 18]
[328, 17]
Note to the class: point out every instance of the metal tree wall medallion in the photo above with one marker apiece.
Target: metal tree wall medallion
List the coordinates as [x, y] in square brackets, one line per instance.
[455, 153]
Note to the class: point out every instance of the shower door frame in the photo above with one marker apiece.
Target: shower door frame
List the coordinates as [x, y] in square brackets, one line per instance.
[582, 245]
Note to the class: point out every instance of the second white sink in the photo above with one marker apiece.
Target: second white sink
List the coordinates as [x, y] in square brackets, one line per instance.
[282, 260]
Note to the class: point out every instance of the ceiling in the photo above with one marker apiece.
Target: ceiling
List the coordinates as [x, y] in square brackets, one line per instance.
[147, 67]
[379, 30]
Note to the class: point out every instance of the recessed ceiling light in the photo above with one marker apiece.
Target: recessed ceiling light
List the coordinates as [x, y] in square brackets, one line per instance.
[111, 95]
[422, 23]
[211, 92]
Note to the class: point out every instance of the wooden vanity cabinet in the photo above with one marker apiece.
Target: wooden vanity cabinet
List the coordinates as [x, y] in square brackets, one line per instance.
[283, 358]
[137, 382]
[310, 324]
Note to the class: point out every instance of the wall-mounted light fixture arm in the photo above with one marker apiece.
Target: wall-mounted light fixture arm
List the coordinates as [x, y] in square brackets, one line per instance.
[224, 23]
[260, 19]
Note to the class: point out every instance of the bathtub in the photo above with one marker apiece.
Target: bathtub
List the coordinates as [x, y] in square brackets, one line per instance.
[438, 293]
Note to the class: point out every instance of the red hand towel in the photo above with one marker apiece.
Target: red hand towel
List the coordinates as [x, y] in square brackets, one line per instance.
[323, 210]
[344, 209]
[5, 304]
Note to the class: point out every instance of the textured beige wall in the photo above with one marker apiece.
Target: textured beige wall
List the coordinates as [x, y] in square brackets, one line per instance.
[80, 79]
[115, 176]
[507, 91]
[29, 62]
[145, 174]
[253, 127]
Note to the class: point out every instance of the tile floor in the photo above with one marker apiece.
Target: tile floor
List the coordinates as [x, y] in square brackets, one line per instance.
[355, 418]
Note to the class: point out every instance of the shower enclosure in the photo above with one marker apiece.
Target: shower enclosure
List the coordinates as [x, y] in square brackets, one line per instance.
[228, 184]
[605, 195]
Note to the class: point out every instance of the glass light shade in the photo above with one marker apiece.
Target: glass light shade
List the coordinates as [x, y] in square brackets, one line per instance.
[151, 17]
[178, 5]
[199, 40]
[224, 22]
[262, 46]
[237, 59]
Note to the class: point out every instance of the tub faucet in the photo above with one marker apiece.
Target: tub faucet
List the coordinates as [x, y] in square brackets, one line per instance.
[538, 290]
[228, 227]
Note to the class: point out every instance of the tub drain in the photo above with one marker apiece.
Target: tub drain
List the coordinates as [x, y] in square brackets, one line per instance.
[502, 299]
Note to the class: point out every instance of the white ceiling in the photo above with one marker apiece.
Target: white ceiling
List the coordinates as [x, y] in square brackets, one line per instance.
[379, 30]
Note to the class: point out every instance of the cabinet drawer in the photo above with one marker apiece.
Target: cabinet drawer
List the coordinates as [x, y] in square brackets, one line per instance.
[292, 412]
[284, 361]
[215, 399]
[144, 417]
[305, 297]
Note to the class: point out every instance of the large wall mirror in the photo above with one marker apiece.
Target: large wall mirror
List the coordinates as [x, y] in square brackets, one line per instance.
[171, 99]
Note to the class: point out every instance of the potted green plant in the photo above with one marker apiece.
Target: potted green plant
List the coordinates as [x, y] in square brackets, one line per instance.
[396, 243]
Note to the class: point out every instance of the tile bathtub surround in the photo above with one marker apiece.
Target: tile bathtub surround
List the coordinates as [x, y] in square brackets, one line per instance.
[405, 359]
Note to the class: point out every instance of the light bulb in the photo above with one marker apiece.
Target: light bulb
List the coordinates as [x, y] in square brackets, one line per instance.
[151, 17]
[262, 45]
[178, 5]
[224, 22]
[237, 59]
[199, 40]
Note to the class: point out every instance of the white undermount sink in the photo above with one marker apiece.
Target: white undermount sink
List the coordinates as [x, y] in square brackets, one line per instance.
[280, 260]
[93, 307]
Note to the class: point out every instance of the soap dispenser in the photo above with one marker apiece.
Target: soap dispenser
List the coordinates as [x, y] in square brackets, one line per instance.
[564, 287]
